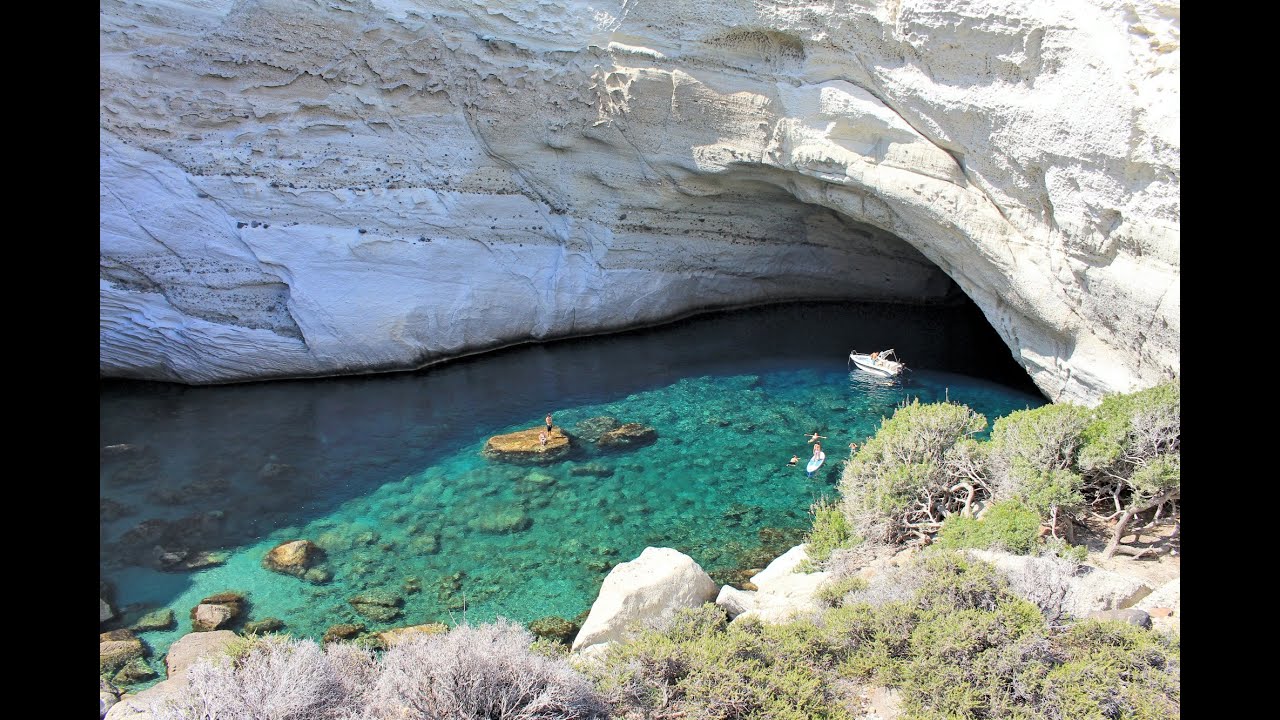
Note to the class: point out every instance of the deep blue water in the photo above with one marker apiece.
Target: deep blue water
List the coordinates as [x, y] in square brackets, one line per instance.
[385, 472]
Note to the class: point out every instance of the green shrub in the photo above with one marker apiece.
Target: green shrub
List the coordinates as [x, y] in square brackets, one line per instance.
[697, 667]
[1113, 669]
[832, 593]
[830, 531]
[1008, 525]
[1078, 554]
[901, 472]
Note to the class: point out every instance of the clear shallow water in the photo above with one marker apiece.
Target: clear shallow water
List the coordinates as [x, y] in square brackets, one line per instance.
[385, 472]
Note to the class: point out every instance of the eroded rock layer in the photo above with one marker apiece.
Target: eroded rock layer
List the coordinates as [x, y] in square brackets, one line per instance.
[297, 189]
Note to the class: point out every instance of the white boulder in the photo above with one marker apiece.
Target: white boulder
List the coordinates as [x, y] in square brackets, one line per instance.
[651, 587]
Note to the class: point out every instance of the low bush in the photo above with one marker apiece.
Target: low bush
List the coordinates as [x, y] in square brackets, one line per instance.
[485, 671]
[1008, 525]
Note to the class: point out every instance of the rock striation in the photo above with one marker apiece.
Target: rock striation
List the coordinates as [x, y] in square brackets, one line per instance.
[365, 186]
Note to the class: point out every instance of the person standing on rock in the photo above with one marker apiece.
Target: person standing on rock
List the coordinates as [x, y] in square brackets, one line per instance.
[548, 423]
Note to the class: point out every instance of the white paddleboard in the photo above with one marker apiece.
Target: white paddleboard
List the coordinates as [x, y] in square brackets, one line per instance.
[816, 462]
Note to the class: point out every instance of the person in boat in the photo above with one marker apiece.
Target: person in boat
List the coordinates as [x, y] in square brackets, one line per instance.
[814, 437]
[875, 359]
[793, 461]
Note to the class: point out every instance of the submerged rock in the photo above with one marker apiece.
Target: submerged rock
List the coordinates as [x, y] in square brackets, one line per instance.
[276, 473]
[591, 429]
[377, 605]
[155, 620]
[265, 625]
[109, 510]
[135, 671]
[395, 636]
[554, 627]
[182, 559]
[630, 435]
[523, 446]
[425, 544]
[535, 482]
[293, 558]
[342, 631]
[318, 575]
[592, 470]
[502, 521]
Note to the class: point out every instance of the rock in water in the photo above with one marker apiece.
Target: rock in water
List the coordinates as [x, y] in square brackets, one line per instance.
[591, 429]
[524, 447]
[161, 619]
[342, 631]
[377, 605]
[295, 557]
[265, 625]
[116, 648]
[629, 435]
[217, 611]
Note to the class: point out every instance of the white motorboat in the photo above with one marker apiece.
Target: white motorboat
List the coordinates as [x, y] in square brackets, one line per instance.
[882, 364]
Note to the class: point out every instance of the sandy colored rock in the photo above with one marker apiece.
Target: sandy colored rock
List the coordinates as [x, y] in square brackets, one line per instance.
[293, 558]
[116, 648]
[524, 446]
[394, 636]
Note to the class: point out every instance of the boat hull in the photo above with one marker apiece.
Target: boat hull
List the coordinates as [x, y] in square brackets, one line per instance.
[864, 363]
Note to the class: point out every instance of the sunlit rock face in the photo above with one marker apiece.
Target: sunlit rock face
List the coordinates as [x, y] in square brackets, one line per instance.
[293, 189]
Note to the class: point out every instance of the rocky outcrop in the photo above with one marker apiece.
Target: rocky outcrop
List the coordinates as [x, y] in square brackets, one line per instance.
[290, 191]
[650, 588]
[181, 656]
[525, 446]
[116, 648]
[782, 594]
[105, 611]
[108, 696]
[1060, 587]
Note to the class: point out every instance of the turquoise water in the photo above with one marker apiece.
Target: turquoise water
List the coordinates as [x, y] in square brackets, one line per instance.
[385, 473]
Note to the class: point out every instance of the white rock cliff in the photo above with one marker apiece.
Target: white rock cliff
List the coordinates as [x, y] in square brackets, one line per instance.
[294, 189]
